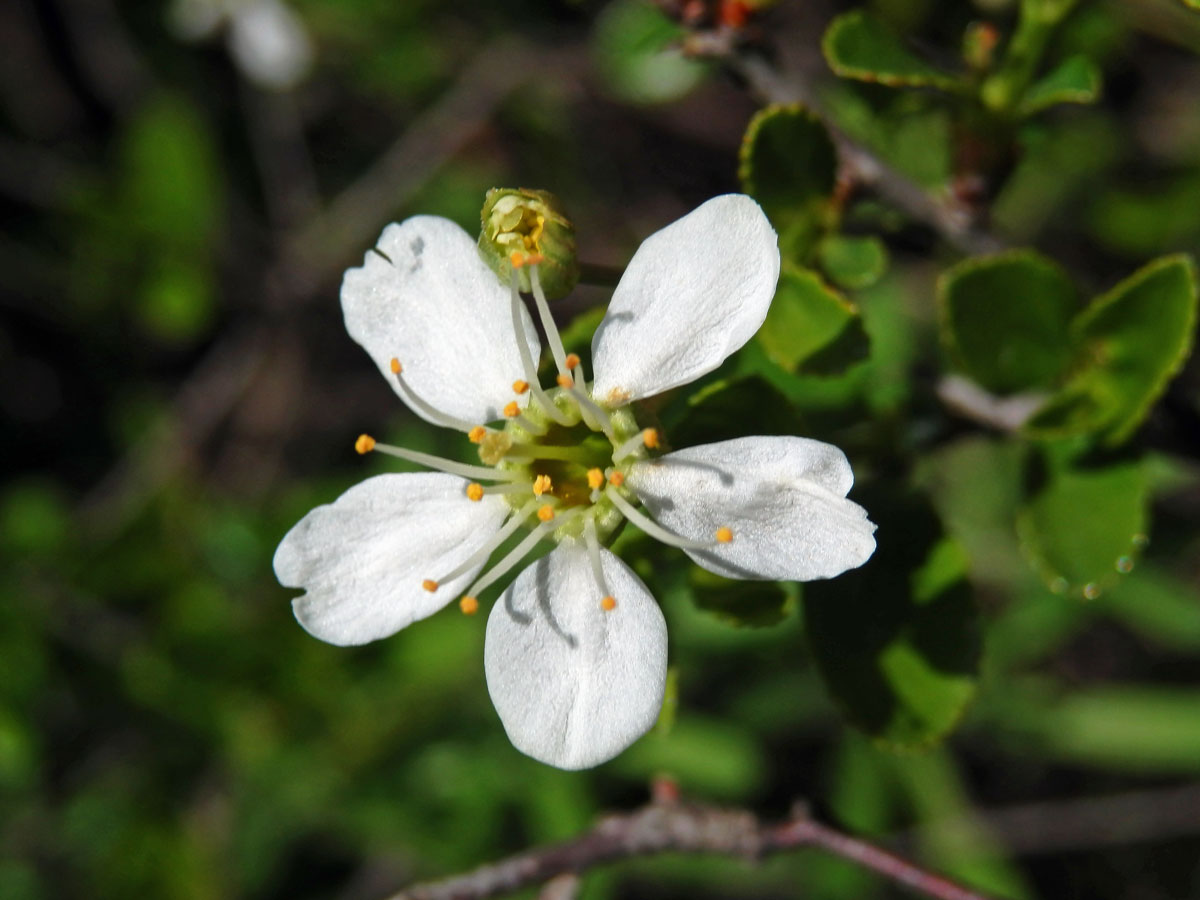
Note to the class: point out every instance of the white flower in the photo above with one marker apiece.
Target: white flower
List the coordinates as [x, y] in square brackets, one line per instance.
[267, 40]
[576, 647]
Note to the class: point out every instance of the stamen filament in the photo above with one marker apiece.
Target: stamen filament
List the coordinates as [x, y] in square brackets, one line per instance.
[543, 308]
[593, 549]
[517, 554]
[515, 488]
[648, 525]
[448, 465]
[635, 443]
[434, 415]
[531, 377]
[591, 412]
[515, 521]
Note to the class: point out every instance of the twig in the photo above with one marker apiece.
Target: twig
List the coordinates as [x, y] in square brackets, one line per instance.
[680, 828]
[859, 165]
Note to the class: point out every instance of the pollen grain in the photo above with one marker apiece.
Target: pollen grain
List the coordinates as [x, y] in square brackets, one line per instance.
[542, 485]
[724, 535]
[520, 386]
[572, 360]
[430, 585]
[469, 606]
[545, 513]
[477, 434]
[609, 603]
[395, 366]
[595, 479]
[364, 444]
[512, 410]
[475, 491]
[616, 479]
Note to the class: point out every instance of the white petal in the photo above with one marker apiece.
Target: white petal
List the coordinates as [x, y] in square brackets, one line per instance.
[269, 44]
[693, 293]
[362, 558]
[434, 304]
[575, 684]
[783, 498]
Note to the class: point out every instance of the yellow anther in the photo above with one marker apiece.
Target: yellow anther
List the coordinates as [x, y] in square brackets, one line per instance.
[724, 535]
[572, 360]
[595, 479]
[477, 434]
[430, 585]
[365, 443]
[469, 606]
[474, 491]
[650, 438]
[512, 410]
[565, 381]
[546, 513]
[542, 485]
[395, 366]
[517, 258]
[520, 386]
[616, 479]
[609, 603]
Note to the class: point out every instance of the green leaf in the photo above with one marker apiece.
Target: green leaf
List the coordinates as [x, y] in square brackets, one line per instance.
[811, 327]
[715, 412]
[1083, 522]
[1075, 80]
[1191, 4]
[755, 604]
[1005, 319]
[788, 163]
[634, 56]
[1130, 342]
[897, 640]
[859, 46]
[852, 262]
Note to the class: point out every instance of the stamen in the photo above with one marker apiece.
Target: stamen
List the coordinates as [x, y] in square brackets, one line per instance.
[527, 363]
[572, 361]
[648, 525]
[542, 485]
[475, 491]
[446, 465]
[513, 411]
[469, 606]
[609, 603]
[592, 414]
[546, 513]
[434, 415]
[616, 478]
[724, 535]
[543, 308]
[517, 554]
[646, 438]
[595, 479]
[365, 444]
[593, 549]
[565, 381]
[430, 585]
[515, 521]
[520, 386]
[477, 434]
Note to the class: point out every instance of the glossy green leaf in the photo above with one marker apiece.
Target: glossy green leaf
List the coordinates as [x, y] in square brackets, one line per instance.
[633, 52]
[754, 604]
[1083, 522]
[859, 46]
[1005, 319]
[852, 262]
[1130, 342]
[1075, 80]
[897, 641]
[788, 163]
[811, 327]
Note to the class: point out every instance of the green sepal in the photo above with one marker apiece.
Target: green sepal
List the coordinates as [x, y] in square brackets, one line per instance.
[811, 327]
[1129, 343]
[1075, 80]
[859, 46]
[1005, 319]
[897, 641]
[525, 221]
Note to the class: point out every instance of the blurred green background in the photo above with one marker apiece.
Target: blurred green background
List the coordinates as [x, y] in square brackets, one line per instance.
[182, 187]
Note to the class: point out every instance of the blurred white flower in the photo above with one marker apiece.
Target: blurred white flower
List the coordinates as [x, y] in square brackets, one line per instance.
[266, 39]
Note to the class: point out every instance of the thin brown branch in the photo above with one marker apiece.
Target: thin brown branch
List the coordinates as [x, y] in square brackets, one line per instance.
[682, 828]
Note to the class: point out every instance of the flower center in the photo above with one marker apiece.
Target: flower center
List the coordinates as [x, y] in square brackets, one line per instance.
[560, 463]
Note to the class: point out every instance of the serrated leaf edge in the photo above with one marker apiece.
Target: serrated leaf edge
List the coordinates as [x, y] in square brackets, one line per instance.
[940, 80]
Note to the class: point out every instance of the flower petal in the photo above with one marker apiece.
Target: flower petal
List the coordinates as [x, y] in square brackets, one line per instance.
[782, 497]
[575, 684]
[693, 293]
[363, 557]
[424, 296]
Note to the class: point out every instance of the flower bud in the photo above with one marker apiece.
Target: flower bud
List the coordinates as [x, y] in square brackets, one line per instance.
[531, 223]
